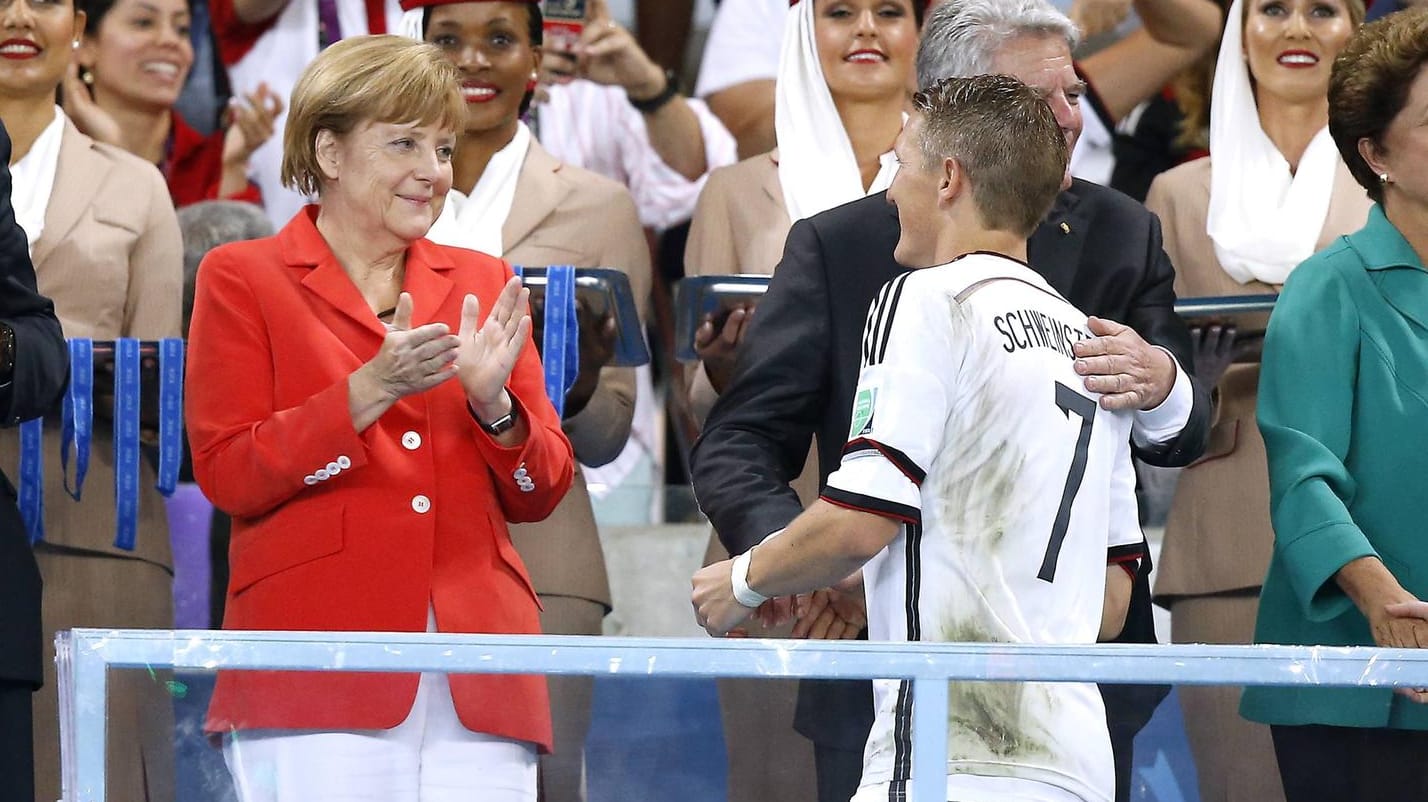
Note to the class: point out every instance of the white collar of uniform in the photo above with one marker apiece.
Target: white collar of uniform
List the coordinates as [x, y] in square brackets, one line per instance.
[33, 179]
[817, 169]
[475, 221]
[1262, 220]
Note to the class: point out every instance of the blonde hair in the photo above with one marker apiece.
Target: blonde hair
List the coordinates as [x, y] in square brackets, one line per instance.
[386, 78]
[1007, 140]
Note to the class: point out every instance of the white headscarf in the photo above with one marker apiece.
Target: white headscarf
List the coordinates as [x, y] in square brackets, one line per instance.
[1263, 220]
[475, 221]
[816, 169]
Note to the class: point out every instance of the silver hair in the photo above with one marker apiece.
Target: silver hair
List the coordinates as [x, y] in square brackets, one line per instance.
[960, 37]
[208, 224]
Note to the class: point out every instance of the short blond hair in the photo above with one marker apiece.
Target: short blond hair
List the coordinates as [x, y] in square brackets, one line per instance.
[1007, 140]
[386, 78]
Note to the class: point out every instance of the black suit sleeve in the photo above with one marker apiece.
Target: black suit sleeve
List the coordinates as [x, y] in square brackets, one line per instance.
[41, 359]
[757, 436]
[1153, 316]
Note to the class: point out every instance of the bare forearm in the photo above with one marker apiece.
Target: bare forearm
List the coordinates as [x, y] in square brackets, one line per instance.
[366, 400]
[234, 180]
[819, 549]
[1371, 586]
[675, 135]
[747, 110]
[1116, 605]
[255, 11]
[1191, 24]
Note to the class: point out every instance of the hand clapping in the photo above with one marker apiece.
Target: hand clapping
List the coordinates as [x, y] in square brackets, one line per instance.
[413, 360]
[485, 356]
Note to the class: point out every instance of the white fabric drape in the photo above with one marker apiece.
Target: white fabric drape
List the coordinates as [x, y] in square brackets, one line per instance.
[816, 169]
[1263, 220]
[33, 179]
[474, 221]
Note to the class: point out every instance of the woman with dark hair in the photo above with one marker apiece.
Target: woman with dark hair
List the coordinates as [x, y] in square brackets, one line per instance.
[131, 66]
[1342, 411]
[512, 199]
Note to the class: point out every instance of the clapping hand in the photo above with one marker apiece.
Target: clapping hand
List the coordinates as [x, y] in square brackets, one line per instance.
[251, 124]
[486, 355]
[412, 360]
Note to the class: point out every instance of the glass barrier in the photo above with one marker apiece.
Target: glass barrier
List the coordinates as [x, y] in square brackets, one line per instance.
[655, 730]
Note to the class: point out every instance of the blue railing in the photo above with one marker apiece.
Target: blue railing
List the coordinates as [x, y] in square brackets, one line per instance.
[85, 655]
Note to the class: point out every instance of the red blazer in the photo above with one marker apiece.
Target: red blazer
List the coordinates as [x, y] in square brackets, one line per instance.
[335, 530]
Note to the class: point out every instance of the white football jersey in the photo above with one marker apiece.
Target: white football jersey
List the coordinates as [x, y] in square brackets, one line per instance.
[1014, 489]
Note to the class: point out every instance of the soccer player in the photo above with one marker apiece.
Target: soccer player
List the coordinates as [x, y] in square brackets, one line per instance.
[983, 492]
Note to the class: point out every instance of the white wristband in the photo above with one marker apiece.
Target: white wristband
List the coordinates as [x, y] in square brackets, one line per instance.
[739, 575]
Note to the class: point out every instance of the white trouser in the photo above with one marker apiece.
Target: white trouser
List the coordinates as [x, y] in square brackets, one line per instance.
[969, 788]
[429, 757]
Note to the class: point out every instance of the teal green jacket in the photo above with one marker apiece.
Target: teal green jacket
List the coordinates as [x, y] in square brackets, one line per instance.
[1343, 406]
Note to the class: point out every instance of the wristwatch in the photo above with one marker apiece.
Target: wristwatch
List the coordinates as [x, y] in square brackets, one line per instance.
[501, 425]
[651, 105]
[7, 353]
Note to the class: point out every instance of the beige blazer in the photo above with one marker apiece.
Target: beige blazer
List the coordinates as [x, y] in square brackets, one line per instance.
[1218, 536]
[739, 226]
[564, 215]
[111, 260]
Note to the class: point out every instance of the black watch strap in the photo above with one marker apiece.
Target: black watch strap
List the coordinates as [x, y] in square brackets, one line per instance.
[654, 104]
[501, 425]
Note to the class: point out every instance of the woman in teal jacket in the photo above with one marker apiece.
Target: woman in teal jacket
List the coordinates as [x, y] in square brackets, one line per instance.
[1343, 406]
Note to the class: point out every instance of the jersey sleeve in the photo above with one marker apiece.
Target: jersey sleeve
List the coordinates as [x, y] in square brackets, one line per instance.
[1125, 542]
[911, 359]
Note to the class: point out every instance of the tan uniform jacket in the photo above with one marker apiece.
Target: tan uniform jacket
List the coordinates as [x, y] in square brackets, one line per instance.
[565, 215]
[1218, 536]
[111, 260]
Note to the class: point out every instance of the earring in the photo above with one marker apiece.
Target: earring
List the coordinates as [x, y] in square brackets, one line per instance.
[74, 45]
[86, 76]
[1383, 178]
[532, 83]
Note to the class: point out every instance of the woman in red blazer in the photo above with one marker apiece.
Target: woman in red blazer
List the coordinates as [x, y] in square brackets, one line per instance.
[371, 441]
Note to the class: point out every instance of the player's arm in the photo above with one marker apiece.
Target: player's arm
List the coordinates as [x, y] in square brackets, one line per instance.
[1125, 545]
[1117, 603]
[823, 546]
[896, 429]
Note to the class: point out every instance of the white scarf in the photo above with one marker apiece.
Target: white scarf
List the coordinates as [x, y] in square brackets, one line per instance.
[33, 179]
[1263, 220]
[474, 221]
[816, 169]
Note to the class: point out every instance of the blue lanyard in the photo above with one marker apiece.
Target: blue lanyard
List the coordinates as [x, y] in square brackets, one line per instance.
[126, 442]
[77, 424]
[560, 355]
[32, 479]
[170, 413]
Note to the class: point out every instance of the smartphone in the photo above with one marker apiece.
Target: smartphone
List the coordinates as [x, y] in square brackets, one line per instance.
[564, 23]
[716, 296]
[603, 292]
[1249, 314]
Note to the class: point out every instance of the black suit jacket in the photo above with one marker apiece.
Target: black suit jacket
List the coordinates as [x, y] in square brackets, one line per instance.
[798, 369]
[41, 372]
